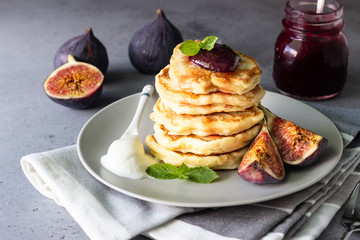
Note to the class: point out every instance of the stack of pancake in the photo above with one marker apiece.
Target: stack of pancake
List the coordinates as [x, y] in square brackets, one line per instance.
[205, 118]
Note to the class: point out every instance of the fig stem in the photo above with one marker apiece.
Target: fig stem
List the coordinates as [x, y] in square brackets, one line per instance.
[133, 128]
[70, 58]
[159, 13]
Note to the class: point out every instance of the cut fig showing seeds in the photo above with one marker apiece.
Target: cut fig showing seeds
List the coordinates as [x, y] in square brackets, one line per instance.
[297, 146]
[74, 84]
[262, 162]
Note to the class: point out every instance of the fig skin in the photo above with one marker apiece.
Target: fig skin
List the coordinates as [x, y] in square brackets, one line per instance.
[74, 84]
[79, 103]
[84, 48]
[262, 163]
[151, 47]
[297, 146]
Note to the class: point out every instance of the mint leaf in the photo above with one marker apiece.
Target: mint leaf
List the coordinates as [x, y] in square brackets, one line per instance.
[195, 174]
[208, 43]
[183, 169]
[163, 171]
[202, 175]
[190, 48]
[183, 176]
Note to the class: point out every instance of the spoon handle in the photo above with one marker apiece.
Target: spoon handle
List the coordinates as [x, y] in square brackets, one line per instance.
[133, 128]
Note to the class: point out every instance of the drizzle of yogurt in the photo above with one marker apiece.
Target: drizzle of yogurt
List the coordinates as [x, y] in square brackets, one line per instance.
[126, 158]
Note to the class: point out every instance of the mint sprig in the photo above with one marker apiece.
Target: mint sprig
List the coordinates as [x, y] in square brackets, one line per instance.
[194, 174]
[191, 48]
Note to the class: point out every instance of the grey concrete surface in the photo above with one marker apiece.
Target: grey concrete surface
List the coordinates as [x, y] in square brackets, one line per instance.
[32, 31]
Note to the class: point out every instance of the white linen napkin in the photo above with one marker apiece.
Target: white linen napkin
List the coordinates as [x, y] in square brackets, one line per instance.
[104, 213]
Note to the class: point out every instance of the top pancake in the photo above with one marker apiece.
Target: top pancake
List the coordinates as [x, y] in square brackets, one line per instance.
[189, 77]
[183, 102]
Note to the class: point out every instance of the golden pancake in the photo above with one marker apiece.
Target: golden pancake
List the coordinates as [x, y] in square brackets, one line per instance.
[212, 102]
[192, 78]
[218, 161]
[223, 123]
[200, 109]
[204, 145]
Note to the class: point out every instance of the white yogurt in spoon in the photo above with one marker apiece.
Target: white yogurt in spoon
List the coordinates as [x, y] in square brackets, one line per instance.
[126, 156]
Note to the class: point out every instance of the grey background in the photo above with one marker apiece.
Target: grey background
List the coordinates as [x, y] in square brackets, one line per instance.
[32, 31]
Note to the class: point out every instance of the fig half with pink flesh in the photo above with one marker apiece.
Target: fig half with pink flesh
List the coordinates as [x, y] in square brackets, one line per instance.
[262, 162]
[297, 146]
[74, 84]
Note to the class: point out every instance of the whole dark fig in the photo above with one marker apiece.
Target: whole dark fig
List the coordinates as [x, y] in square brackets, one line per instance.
[151, 47]
[85, 48]
[74, 84]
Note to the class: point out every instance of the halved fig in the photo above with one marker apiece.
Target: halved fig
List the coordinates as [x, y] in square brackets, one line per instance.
[297, 146]
[74, 84]
[262, 162]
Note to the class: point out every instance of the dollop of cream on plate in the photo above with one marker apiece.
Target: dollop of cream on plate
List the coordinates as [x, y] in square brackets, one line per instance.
[126, 158]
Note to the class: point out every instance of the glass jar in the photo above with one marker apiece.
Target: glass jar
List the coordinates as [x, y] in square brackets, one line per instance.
[311, 53]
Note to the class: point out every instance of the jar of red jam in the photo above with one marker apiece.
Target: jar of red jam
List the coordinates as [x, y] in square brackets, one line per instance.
[311, 53]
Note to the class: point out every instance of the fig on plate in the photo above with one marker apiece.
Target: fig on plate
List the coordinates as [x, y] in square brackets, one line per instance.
[74, 84]
[151, 47]
[219, 59]
[297, 146]
[262, 162]
[84, 48]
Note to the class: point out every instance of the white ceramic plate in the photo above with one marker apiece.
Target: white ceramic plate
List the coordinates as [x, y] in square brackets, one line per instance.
[230, 189]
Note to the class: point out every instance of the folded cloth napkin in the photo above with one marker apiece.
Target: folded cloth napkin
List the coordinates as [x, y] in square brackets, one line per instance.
[302, 215]
[104, 213]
